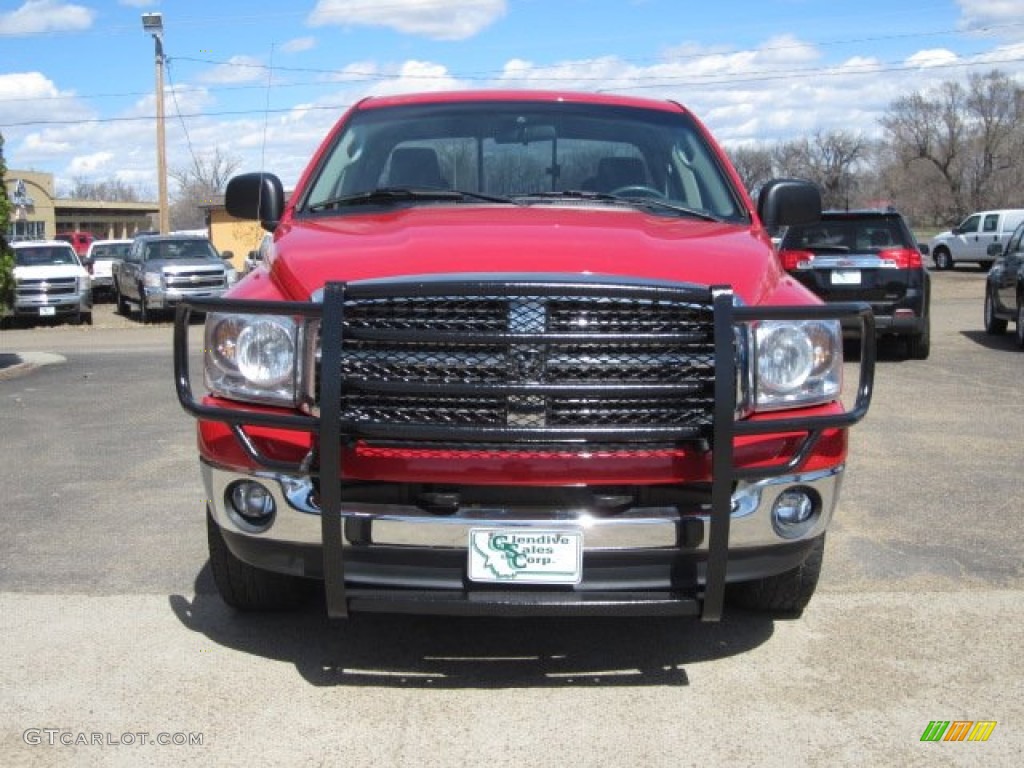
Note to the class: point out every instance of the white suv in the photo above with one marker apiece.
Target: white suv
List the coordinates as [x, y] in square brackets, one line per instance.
[50, 282]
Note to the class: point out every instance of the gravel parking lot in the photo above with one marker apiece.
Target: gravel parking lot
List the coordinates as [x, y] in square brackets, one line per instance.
[119, 652]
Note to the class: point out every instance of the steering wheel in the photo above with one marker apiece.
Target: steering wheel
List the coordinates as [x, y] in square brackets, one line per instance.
[637, 190]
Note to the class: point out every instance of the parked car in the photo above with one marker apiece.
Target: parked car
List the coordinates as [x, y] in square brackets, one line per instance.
[50, 282]
[80, 241]
[521, 353]
[160, 270]
[99, 260]
[871, 256]
[1004, 287]
[970, 240]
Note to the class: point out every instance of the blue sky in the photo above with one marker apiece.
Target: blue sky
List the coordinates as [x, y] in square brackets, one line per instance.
[262, 81]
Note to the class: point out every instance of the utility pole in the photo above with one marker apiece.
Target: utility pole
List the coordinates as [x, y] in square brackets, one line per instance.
[153, 23]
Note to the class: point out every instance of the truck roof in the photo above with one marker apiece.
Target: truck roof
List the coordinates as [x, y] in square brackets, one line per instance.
[579, 97]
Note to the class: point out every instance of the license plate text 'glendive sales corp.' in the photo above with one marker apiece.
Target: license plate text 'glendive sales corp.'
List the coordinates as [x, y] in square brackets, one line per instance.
[525, 555]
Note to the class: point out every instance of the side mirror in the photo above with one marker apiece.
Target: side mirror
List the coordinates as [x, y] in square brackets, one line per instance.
[255, 197]
[923, 248]
[956, 231]
[788, 202]
[227, 255]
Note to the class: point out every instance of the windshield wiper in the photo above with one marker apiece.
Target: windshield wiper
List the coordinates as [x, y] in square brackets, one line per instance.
[632, 200]
[404, 194]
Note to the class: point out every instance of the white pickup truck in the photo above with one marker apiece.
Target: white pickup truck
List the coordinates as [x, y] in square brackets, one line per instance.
[50, 283]
[969, 240]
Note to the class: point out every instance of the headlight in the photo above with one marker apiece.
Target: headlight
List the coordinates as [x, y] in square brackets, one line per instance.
[152, 280]
[796, 363]
[252, 357]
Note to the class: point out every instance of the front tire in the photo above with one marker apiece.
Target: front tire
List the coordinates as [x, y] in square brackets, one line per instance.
[943, 258]
[993, 325]
[786, 593]
[122, 304]
[246, 588]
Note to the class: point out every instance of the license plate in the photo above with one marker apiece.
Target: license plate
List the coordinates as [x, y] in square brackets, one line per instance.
[525, 556]
[845, 277]
[47, 311]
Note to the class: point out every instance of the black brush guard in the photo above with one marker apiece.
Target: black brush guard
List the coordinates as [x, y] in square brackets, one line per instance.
[333, 431]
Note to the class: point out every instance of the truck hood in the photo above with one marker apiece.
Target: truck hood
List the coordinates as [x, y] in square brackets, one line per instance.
[46, 271]
[531, 239]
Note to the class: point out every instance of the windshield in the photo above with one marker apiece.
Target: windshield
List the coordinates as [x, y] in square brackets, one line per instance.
[865, 235]
[44, 256]
[180, 249]
[515, 150]
[110, 251]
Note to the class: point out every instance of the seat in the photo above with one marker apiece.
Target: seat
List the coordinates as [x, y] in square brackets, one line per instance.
[415, 167]
[617, 172]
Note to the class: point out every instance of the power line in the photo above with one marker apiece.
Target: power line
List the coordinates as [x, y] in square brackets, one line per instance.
[491, 73]
[657, 81]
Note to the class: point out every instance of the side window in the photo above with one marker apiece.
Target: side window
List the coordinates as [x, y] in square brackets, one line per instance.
[970, 224]
[991, 223]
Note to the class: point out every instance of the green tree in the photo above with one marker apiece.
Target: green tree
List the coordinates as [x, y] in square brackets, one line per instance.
[6, 254]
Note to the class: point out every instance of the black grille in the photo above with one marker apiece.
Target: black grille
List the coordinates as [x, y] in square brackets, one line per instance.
[528, 365]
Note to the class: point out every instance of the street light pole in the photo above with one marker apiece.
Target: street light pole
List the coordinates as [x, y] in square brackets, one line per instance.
[154, 24]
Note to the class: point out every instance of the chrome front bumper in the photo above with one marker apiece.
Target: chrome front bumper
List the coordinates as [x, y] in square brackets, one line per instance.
[298, 521]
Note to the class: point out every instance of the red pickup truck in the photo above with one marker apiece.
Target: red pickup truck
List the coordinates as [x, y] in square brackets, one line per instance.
[521, 353]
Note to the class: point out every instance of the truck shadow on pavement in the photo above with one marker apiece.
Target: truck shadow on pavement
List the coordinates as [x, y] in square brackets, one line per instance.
[482, 653]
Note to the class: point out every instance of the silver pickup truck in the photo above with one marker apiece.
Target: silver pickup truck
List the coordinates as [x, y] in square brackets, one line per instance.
[161, 270]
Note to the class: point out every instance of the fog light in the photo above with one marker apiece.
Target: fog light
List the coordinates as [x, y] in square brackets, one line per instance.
[250, 505]
[795, 511]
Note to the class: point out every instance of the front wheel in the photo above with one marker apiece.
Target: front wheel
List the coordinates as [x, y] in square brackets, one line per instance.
[246, 588]
[993, 325]
[943, 258]
[145, 313]
[122, 304]
[785, 593]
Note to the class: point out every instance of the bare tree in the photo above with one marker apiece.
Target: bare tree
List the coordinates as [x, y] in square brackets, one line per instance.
[112, 190]
[200, 184]
[831, 159]
[966, 136]
[754, 165]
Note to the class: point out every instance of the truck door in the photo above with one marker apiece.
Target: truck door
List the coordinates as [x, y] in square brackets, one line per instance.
[978, 250]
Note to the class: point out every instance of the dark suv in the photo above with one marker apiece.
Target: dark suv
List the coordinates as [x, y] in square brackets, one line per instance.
[867, 256]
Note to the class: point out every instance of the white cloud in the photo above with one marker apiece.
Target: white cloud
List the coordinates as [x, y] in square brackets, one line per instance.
[38, 17]
[237, 69]
[995, 18]
[434, 19]
[28, 96]
[299, 44]
[934, 57]
[96, 164]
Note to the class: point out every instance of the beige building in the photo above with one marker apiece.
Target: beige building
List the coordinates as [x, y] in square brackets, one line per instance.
[37, 213]
[239, 236]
